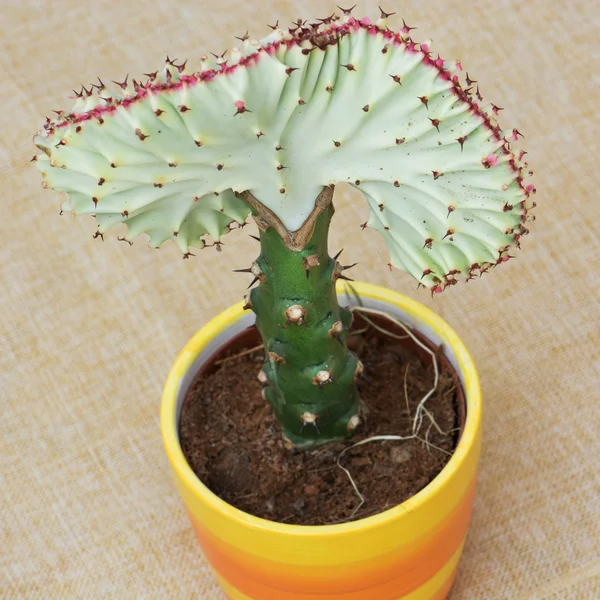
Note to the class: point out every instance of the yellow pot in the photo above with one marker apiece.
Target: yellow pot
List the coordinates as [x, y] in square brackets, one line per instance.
[409, 552]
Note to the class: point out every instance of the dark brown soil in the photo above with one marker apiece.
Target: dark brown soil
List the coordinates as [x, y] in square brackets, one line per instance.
[233, 442]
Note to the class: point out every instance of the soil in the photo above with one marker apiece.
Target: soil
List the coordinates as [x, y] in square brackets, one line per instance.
[233, 443]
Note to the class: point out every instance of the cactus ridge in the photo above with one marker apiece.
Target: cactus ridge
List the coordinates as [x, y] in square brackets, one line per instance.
[342, 100]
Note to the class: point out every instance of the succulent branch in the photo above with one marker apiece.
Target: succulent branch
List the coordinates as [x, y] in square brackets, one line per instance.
[341, 100]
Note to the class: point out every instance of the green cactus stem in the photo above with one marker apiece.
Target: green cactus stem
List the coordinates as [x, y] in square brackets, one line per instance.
[308, 373]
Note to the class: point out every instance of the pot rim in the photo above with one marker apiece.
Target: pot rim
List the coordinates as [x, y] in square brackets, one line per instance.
[421, 314]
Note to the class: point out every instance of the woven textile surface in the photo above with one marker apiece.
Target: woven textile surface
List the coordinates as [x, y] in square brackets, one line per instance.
[89, 329]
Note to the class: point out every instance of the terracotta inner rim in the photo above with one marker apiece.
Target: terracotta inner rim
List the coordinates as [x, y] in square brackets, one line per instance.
[250, 337]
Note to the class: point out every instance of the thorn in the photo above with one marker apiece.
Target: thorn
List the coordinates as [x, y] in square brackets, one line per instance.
[158, 112]
[338, 254]
[183, 108]
[276, 358]
[349, 66]
[366, 108]
[364, 225]
[252, 282]
[310, 262]
[364, 378]
[437, 174]
[123, 239]
[123, 84]
[479, 96]
[449, 232]
[344, 278]
[400, 141]
[450, 210]
[98, 234]
[396, 79]
[385, 15]
[435, 123]
[424, 100]
[248, 270]
[496, 109]
[274, 27]
[151, 76]
[405, 27]
[461, 141]
[469, 80]
[254, 237]
[187, 255]
[347, 11]
[244, 37]
[295, 314]
[428, 243]
[337, 144]
[290, 70]
[515, 134]
[95, 201]
[140, 135]
[346, 267]
[217, 245]
[34, 158]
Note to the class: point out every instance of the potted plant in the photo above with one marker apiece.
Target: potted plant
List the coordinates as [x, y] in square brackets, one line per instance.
[268, 130]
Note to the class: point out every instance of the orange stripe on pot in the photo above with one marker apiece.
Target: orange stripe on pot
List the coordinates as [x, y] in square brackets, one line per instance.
[385, 576]
[437, 588]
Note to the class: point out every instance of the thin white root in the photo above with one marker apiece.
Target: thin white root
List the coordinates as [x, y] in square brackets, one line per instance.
[418, 418]
[406, 390]
[375, 438]
[239, 354]
[363, 310]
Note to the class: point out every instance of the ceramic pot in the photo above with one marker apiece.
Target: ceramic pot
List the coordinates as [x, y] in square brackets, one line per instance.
[410, 552]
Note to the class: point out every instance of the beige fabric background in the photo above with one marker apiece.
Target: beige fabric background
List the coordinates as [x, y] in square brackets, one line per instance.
[89, 329]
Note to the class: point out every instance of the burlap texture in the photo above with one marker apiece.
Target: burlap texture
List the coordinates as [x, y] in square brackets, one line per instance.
[89, 329]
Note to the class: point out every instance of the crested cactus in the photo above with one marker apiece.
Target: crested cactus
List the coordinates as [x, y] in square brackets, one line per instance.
[269, 128]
